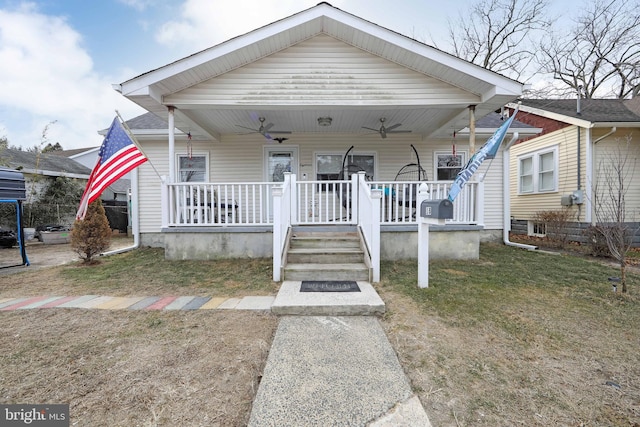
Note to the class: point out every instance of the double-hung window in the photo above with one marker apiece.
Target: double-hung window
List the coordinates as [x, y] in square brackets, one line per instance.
[192, 168]
[448, 165]
[538, 171]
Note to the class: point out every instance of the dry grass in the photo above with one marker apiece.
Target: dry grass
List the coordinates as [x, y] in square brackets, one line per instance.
[131, 368]
[515, 338]
[521, 339]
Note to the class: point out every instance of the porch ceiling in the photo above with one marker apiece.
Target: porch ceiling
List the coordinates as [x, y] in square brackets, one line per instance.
[151, 90]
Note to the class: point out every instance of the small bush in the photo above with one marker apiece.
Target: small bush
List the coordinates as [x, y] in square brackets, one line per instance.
[92, 235]
[556, 224]
[596, 241]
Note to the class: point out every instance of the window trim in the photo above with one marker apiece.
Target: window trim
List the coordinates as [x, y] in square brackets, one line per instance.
[536, 172]
[195, 154]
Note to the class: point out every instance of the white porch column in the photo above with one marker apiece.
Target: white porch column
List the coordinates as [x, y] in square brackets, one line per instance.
[277, 192]
[164, 201]
[472, 129]
[293, 214]
[376, 197]
[480, 203]
[172, 145]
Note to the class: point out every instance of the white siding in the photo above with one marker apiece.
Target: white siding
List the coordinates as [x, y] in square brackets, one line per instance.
[239, 158]
[319, 71]
[612, 151]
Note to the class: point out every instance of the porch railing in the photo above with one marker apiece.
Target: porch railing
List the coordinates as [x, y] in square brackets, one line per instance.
[369, 224]
[220, 204]
[312, 203]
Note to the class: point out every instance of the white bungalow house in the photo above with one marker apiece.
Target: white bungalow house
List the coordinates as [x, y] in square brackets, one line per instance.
[257, 131]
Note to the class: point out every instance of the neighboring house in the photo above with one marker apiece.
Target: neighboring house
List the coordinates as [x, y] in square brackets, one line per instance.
[561, 167]
[323, 80]
[88, 157]
[40, 168]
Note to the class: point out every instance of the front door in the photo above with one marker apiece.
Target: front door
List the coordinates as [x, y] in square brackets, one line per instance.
[279, 160]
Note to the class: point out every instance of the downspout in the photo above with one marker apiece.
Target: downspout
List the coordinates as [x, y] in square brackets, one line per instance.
[506, 208]
[135, 218]
[579, 165]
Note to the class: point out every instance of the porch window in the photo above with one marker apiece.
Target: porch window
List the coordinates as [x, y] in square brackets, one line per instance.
[537, 172]
[448, 165]
[328, 166]
[192, 168]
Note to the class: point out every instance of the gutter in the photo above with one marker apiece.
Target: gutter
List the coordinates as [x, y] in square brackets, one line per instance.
[612, 131]
[506, 209]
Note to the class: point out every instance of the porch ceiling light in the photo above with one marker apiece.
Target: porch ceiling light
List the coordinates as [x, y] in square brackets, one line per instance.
[324, 121]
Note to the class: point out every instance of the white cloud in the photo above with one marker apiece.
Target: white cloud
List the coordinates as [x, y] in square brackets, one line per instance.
[136, 4]
[48, 76]
[204, 23]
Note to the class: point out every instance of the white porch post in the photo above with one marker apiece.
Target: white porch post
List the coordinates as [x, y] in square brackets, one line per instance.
[277, 193]
[480, 203]
[293, 215]
[164, 201]
[354, 195]
[172, 145]
[376, 197]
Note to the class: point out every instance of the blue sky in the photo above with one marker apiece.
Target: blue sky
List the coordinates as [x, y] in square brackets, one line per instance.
[59, 58]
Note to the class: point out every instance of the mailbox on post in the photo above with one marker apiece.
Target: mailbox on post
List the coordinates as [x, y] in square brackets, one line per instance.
[440, 209]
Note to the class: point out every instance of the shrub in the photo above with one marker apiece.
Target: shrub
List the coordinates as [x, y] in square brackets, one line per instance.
[556, 223]
[595, 237]
[92, 235]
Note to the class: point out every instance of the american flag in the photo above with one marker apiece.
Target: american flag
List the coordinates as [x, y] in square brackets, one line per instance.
[118, 155]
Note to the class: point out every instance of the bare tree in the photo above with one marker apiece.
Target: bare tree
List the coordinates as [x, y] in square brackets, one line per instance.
[498, 34]
[601, 52]
[615, 173]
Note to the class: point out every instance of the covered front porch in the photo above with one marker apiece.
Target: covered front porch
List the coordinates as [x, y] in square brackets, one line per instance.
[246, 214]
[330, 202]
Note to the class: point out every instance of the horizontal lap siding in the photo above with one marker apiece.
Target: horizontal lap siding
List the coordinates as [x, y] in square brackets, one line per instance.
[240, 158]
[149, 185]
[525, 206]
[613, 150]
[322, 70]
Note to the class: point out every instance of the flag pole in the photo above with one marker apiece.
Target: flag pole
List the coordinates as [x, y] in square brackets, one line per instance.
[135, 141]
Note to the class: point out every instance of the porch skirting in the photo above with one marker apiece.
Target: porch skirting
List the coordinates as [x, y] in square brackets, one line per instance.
[396, 243]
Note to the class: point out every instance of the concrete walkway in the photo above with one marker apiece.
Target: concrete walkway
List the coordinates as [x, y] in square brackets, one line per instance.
[334, 371]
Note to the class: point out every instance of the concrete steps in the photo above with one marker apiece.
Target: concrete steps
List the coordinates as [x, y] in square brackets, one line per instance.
[326, 256]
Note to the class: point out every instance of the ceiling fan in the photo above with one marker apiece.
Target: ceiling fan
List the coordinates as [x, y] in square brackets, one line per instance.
[383, 131]
[264, 130]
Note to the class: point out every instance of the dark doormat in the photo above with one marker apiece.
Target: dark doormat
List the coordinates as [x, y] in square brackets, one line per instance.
[329, 286]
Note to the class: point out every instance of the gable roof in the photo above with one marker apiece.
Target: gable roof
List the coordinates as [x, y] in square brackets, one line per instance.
[44, 164]
[593, 112]
[485, 89]
[73, 152]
